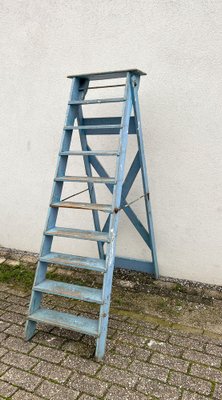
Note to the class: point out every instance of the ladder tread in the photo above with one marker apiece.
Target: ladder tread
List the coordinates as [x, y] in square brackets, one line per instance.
[83, 206]
[88, 179]
[68, 321]
[108, 74]
[64, 289]
[70, 260]
[84, 127]
[90, 153]
[98, 101]
[78, 234]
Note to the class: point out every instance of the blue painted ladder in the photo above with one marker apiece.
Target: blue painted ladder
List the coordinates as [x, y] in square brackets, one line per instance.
[123, 127]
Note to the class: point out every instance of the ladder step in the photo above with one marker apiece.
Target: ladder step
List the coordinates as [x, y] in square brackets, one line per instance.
[68, 290]
[98, 101]
[78, 234]
[90, 153]
[70, 260]
[84, 127]
[83, 206]
[88, 179]
[68, 321]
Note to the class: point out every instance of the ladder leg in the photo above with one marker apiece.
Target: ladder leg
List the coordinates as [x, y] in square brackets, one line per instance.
[113, 227]
[135, 99]
[41, 270]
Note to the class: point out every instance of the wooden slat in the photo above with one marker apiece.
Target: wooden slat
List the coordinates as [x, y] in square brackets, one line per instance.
[85, 127]
[70, 260]
[77, 292]
[83, 206]
[97, 101]
[67, 321]
[78, 234]
[87, 179]
[90, 153]
[108, 75]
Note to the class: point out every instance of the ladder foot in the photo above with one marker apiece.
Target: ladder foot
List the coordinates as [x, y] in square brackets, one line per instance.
[30, 329]
[100, 349]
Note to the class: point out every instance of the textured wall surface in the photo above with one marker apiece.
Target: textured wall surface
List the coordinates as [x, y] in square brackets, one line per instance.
[178, 43]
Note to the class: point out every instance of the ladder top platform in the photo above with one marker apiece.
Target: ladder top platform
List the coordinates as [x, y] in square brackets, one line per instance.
[107, 75]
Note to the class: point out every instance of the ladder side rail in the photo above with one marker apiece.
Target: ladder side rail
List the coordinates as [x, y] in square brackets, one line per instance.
[88, 169]
[134, 84]
[111, 247]
[46, 244]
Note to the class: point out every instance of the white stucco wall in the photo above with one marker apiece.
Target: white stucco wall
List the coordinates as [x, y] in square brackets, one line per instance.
[179, 44]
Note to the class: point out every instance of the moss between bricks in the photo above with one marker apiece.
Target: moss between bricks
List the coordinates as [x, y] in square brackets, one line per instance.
[145, 300]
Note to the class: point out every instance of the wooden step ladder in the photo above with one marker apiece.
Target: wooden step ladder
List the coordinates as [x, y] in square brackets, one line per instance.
[123, 127]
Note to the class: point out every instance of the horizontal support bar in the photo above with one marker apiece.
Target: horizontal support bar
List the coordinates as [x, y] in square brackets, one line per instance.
[108, 121]
[135, 265]
[96, 101]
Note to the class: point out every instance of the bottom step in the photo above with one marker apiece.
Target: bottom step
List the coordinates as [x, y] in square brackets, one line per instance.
[67, 321]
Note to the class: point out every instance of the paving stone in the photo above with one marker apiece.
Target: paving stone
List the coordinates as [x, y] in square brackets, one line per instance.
[48, 339]
[208, 373]
[141, 354]
[2, 337]
[149, 370]
[79, 348]
[190, 383]
[123, 378]
[6, 389]
[16, 359]
[89, 385]
[86, 397]
[13, 317]
[165, 348]
[122, 326]
[160, 390]
[215, 350]
[2, 351]
[3, 296]
[72, 335]
[20, 378]
[4, 305]
[22, 395]
[85, 366]
[117, 361]
[3, 368]
[125, 350]
[133, 339]
[18, 344]
[218, 392]
[12, 263]
[202, 358]
[19, 310]
[152, 334]
[193, 396]
[48, 354]
[29, 259]
[170, 362]
[52, 371]
[4, 251]
[118, 393]
[15, 330]
[187, 343]
[18, 300]
[54, 391]
[147, 324]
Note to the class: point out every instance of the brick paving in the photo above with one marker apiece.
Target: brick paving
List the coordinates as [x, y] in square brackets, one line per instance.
[144, 360]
